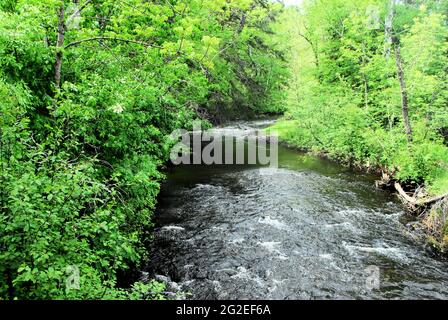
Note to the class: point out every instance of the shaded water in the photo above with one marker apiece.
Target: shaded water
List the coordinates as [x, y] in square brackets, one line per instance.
[310, 229]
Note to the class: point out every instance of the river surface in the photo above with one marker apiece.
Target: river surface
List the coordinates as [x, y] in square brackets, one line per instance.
[309, 229]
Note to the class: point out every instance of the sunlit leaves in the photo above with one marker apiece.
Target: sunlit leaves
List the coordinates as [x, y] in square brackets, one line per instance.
[83, 162]
[349, 102]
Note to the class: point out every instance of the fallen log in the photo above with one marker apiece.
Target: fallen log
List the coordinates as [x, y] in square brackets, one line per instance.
[404, 195]
[431, 200]
[414, 201]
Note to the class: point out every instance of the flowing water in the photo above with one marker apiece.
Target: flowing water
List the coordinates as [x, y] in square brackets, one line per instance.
[310, 229]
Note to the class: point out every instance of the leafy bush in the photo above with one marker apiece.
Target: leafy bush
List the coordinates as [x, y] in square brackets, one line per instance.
[81, 157]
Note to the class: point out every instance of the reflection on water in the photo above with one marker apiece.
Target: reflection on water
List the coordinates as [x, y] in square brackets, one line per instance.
[308, 229]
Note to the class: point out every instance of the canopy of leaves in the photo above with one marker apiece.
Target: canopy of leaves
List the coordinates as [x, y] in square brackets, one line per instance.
[81, 157]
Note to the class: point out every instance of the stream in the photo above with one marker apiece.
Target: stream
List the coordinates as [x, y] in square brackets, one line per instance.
[310, 229]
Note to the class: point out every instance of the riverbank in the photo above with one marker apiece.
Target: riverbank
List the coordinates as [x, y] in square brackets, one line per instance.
[430, 209]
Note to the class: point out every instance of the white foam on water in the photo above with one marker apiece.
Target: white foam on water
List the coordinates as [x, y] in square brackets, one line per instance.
[362, 213]
[273, 223]
[351, 212]
[268, 171]
[188, 282]
[217, 286]
[173, 228]
[237, 241]
[201, 186]
[326, 256]
[394, 253]
[270, 246]
[345, 225]
[243, 273]
[225, 270]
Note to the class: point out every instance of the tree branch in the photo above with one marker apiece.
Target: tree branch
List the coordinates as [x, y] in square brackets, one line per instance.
[146, 44]
[404, 195]
[77, 12]
[311, 43]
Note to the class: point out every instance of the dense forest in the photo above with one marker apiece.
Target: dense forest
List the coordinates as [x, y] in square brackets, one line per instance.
[369, 88]
[90, 91]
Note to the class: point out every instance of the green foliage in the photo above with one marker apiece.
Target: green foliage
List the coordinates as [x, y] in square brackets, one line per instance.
[345, 96]
[80, 163]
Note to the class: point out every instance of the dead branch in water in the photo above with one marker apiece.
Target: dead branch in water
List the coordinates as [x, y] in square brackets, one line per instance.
[415, 202]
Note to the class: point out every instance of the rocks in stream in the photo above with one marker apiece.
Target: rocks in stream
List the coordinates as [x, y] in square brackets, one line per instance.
[172, 291]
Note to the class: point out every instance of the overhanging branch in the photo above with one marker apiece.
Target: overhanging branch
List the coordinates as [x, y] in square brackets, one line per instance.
[146, 44]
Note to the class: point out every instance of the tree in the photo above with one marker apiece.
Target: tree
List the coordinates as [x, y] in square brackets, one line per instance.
[404, 92]
[90, 91]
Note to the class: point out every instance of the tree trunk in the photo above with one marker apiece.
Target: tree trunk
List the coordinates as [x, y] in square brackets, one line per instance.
[388, 28]
[404, 93]
[242, 23]
[364, 77]
[59, 45]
